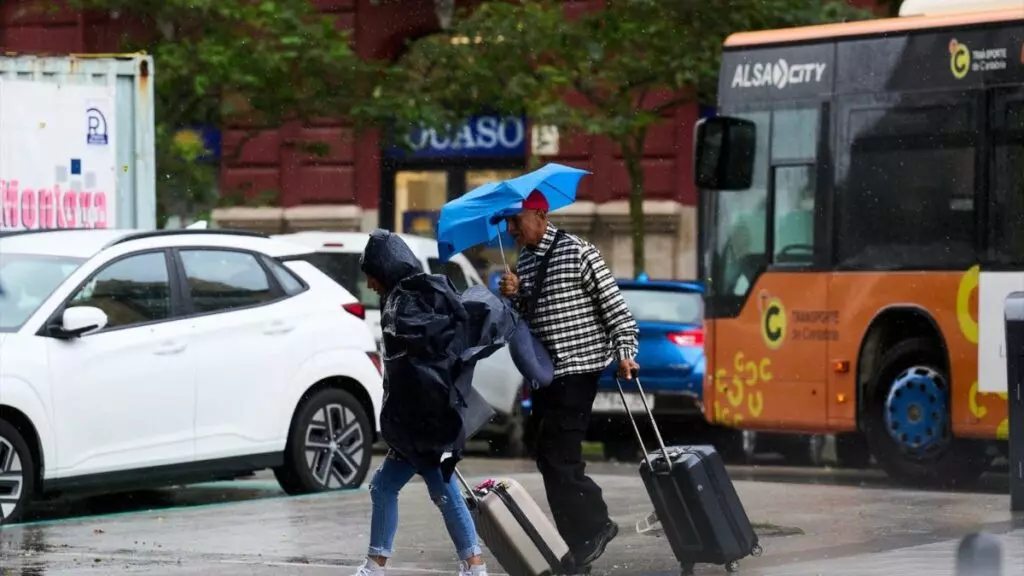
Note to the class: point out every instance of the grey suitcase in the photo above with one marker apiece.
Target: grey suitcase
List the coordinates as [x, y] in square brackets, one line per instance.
[515, 529]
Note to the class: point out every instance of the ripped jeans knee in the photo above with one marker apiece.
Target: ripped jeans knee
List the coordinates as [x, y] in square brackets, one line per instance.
[388, 481]
[379, 494]
[452, 503]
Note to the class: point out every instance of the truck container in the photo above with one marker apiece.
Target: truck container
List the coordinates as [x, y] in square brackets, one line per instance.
[77, 141]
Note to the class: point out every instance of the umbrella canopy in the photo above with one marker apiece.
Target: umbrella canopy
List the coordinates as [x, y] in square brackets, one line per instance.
[557, 182]
[472, 219]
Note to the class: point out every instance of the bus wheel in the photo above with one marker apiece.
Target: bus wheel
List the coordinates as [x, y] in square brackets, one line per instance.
[907, 423]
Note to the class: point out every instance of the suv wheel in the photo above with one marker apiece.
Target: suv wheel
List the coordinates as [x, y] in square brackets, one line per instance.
[512, 442]
[621, 450]
[16, 478]
[329, 446]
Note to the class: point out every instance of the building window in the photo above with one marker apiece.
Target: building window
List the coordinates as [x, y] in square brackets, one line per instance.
[419, 196]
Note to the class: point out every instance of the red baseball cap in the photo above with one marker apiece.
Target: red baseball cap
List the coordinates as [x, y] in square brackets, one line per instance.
[535, 201]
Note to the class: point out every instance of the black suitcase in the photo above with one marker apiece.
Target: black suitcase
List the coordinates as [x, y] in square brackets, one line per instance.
[695, 501]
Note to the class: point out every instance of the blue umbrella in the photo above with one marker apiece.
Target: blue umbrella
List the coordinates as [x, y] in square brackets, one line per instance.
[474, 218]
[557, 182]
[468, 232]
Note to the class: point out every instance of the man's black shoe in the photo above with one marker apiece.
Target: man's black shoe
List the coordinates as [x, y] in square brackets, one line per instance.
[593, 549]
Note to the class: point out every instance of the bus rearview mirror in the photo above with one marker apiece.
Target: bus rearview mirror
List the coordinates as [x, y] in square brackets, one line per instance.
[724, 153]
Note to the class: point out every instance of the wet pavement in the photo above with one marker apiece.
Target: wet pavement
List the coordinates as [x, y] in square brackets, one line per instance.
[938, 559]
[811, 521]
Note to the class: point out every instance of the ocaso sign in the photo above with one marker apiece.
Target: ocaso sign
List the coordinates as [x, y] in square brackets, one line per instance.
[479, 136]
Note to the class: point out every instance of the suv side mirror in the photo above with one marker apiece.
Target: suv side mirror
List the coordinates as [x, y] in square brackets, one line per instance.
[79, 321]
[724, 153]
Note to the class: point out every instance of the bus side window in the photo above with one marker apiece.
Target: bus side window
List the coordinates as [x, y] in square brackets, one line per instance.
[793, 218]
[1006, 214]
[907, 192]
[795, 134]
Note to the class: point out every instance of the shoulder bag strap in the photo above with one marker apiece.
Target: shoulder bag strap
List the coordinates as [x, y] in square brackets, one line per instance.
[542, 274]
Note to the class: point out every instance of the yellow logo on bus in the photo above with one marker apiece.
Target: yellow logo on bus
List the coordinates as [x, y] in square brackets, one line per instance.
[965, 312]
[773, 324]
[959, 59]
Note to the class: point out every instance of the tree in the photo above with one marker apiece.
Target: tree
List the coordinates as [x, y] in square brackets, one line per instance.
[613, 72]
[255, 63]
[890, 7]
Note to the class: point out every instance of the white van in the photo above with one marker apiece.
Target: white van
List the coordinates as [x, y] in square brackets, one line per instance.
[496, 378]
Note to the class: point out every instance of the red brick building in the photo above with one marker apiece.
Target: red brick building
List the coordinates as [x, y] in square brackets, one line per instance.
[359, 186]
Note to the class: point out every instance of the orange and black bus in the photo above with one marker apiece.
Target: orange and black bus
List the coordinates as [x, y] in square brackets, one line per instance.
[855, 180]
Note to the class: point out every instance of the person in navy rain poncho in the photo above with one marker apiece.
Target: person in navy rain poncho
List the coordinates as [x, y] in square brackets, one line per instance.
[432, 337]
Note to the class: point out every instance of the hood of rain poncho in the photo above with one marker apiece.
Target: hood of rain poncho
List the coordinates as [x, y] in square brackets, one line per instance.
[388, 259]
[432, 338]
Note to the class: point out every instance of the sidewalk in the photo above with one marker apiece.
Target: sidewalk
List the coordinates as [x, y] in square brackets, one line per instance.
[937, 559]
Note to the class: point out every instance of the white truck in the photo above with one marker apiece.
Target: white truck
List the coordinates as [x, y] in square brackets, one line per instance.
[77, 142]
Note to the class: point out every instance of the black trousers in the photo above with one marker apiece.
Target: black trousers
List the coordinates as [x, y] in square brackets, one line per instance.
[561, 414]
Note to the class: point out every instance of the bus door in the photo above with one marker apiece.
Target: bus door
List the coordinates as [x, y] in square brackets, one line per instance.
[1003, 270]
[770, 347]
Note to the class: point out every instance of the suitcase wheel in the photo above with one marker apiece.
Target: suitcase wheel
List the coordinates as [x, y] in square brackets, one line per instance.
[757, 550]
[687, 570]
[732, 567]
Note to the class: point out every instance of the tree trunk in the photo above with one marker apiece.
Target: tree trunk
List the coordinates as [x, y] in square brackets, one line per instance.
[632, 155]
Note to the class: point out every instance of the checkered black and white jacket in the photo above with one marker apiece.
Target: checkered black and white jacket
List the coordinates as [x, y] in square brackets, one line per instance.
[580, 316]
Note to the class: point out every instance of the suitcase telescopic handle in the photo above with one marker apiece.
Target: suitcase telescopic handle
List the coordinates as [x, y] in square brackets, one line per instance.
[469, 489]
[636, 429]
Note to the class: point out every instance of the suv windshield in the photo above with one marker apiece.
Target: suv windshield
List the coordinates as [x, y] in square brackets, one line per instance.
[27, 280]
[672, 306]
[343, 268]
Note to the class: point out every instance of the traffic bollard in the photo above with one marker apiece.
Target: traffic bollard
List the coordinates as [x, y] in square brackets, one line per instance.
[1013, 310]
[979, 554]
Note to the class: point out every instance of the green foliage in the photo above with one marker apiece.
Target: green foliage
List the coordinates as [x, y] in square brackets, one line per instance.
[891, 7]
[613, 72]
[218, 62]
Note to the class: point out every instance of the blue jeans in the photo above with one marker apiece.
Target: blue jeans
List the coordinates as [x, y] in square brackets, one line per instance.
[392, 475]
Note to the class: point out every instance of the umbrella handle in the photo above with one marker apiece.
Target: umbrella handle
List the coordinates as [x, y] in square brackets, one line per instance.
[501, 248]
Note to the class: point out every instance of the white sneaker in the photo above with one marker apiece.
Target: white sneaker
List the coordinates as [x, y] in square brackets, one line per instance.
[371, 568]
[475, 570]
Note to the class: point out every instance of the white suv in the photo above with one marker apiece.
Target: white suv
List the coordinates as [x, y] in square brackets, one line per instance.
[496, 377]
[132, 358]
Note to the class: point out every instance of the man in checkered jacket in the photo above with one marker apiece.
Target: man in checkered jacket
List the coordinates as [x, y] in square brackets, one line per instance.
[583, 321]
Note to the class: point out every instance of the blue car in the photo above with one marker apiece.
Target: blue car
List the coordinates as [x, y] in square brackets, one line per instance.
[669, 314]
